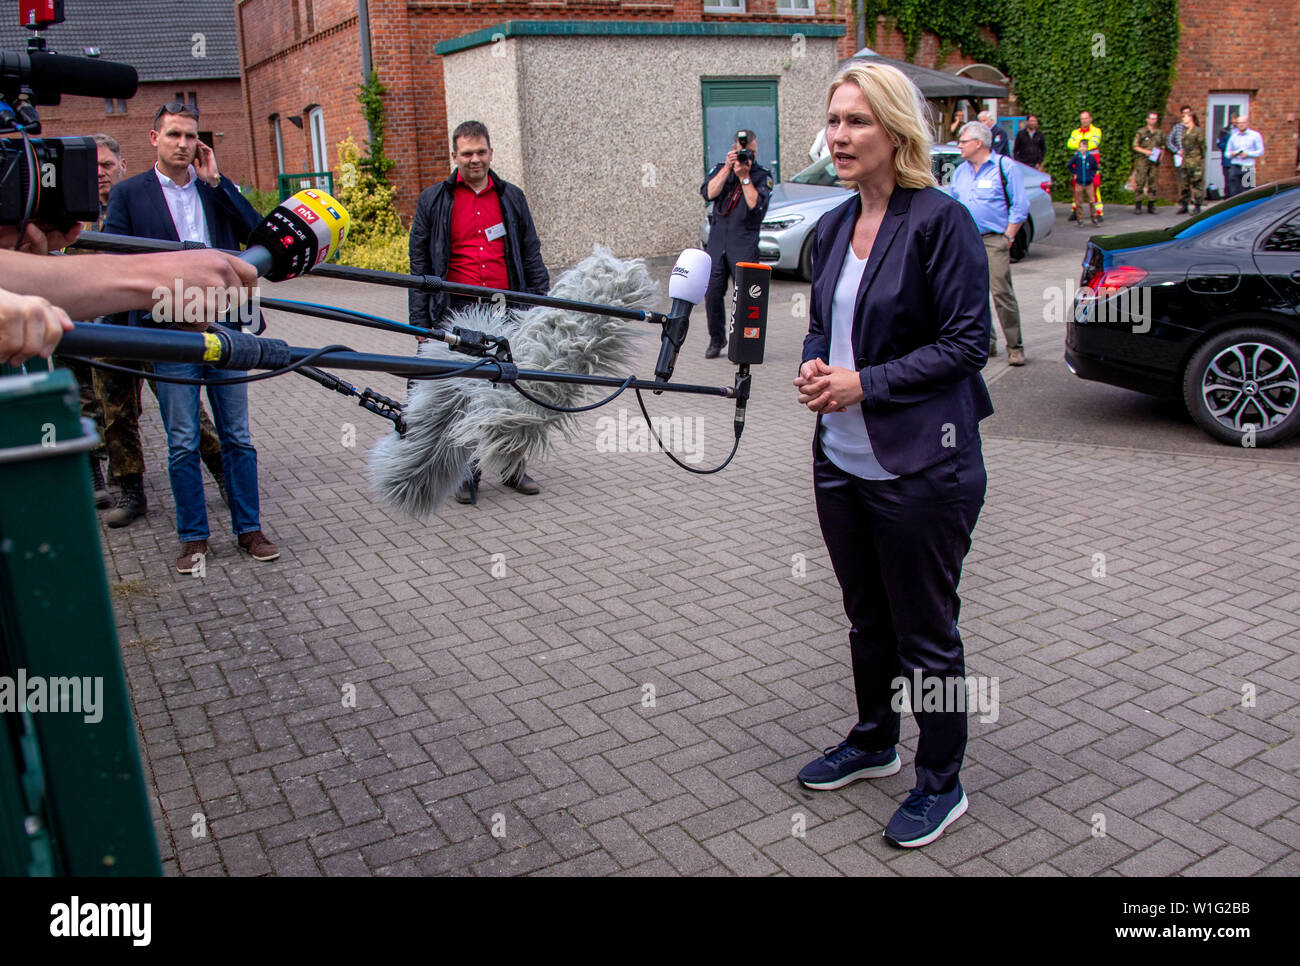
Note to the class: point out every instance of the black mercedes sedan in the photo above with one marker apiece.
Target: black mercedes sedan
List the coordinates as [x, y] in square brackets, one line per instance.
[1207, 310]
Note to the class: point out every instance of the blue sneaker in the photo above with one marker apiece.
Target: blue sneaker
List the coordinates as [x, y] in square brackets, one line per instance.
[922, 818]
[844, 763]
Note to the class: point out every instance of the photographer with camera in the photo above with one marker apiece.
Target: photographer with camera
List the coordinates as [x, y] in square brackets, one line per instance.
[739, 189]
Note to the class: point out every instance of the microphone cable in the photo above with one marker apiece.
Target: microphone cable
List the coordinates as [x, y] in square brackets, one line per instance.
[689, 469]
[186, 381]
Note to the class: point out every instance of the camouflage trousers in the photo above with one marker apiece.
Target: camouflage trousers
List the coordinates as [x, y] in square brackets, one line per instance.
[120, 395]
[1191, 183]
[90, 405]
[1145, 180]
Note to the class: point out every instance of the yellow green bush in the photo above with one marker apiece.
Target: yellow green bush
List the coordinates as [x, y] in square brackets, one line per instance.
[376, 238]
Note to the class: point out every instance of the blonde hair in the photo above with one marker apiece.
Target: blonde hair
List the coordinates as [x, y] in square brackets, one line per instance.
[900, 109]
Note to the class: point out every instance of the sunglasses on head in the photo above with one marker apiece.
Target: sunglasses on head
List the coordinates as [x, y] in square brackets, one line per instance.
[179, 107]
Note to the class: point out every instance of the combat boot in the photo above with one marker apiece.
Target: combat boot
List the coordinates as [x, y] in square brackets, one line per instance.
[103, 499]
[1151, 207]
[131, 503]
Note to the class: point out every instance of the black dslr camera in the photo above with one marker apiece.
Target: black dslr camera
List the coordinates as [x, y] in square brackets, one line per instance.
[50, 181]
[746, 154]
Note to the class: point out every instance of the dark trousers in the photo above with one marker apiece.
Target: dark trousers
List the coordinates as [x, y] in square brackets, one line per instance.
[1236, 174]
[720, 278]
[897, 547]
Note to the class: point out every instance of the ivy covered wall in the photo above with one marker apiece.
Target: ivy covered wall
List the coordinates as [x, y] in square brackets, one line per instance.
[1114, 58]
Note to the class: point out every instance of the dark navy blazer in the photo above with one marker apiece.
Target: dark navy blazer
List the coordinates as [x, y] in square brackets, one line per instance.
[137, 207]
[920, 326]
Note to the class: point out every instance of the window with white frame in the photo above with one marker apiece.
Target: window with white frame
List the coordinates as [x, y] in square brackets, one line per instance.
[316, 124]
[724, 6]
[796, 8]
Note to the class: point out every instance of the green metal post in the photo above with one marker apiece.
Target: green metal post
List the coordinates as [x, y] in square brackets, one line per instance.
[72, 792]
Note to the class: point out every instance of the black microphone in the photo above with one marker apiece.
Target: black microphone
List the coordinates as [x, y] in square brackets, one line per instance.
[686, 287]
[50, 75]
[747, 333]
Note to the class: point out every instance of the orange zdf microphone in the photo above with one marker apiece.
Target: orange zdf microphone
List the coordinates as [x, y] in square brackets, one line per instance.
[294, 238]
[747, 332]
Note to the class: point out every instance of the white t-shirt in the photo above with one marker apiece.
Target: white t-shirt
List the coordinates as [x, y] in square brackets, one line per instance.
[844, 435]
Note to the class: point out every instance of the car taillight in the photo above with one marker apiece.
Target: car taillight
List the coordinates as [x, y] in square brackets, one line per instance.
[1046, 185]
[1112, 280]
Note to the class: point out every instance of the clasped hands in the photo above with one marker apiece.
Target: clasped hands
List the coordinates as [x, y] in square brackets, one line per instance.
[827, 389]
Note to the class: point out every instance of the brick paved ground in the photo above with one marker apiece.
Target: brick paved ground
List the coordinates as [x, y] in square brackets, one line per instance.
[634, 693]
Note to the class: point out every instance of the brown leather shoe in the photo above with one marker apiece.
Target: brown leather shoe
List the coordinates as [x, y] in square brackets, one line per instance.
[257, 546]
[1015, 357]
[193, 557]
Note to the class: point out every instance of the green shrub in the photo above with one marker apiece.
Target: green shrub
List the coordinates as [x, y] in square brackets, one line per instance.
[263, 201]
[385, 253]
[376, 238]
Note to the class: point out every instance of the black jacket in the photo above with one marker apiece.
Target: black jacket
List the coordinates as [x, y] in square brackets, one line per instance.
[920, 327]
[431, 246]
[1031, 147]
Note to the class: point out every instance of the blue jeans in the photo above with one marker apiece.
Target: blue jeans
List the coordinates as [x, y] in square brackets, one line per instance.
[180, 413]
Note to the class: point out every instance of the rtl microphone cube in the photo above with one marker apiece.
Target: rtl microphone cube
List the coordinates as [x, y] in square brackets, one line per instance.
[747, 332]
[301, 233]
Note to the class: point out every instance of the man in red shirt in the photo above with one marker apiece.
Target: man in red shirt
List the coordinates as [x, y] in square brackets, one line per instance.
[474, 228]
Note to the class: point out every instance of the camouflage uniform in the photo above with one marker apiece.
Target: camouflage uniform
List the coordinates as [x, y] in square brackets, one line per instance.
[120, 395]
[1146, 172]
[90, 406]
[1191, 176]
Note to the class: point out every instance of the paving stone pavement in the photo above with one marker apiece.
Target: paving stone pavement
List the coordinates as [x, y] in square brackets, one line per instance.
[621, 675]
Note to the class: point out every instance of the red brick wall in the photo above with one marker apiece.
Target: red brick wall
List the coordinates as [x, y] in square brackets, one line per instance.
[287, 67]
[287, 72]
[1247, 48]
[221, 111]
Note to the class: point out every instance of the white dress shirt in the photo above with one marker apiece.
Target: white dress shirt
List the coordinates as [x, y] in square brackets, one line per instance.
[1249, 141]
[186, 207]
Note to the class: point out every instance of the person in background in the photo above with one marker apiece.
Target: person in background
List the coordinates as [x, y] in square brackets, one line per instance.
[958, 119]
[996, 199]
[1086, 138]
[1001, 143]
[118, 393]
[1031, 147]
[474, 228]
[1147, 143]
[183, 197]
[1245, 146]
[1187, 142]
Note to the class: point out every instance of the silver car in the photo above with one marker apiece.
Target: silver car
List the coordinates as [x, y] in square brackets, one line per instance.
[796, 205]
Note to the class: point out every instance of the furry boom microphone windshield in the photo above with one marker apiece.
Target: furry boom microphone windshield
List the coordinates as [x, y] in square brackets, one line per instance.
[451, 422]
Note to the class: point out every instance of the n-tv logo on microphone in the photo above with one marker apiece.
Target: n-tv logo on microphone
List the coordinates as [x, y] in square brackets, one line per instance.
[306, 214]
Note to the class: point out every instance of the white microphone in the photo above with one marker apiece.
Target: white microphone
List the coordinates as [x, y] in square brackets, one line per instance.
[686, 287]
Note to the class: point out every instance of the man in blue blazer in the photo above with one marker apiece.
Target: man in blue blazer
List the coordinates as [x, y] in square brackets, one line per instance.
[184, 198]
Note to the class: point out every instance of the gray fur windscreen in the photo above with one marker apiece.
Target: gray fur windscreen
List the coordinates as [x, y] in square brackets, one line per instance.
[452, 422]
